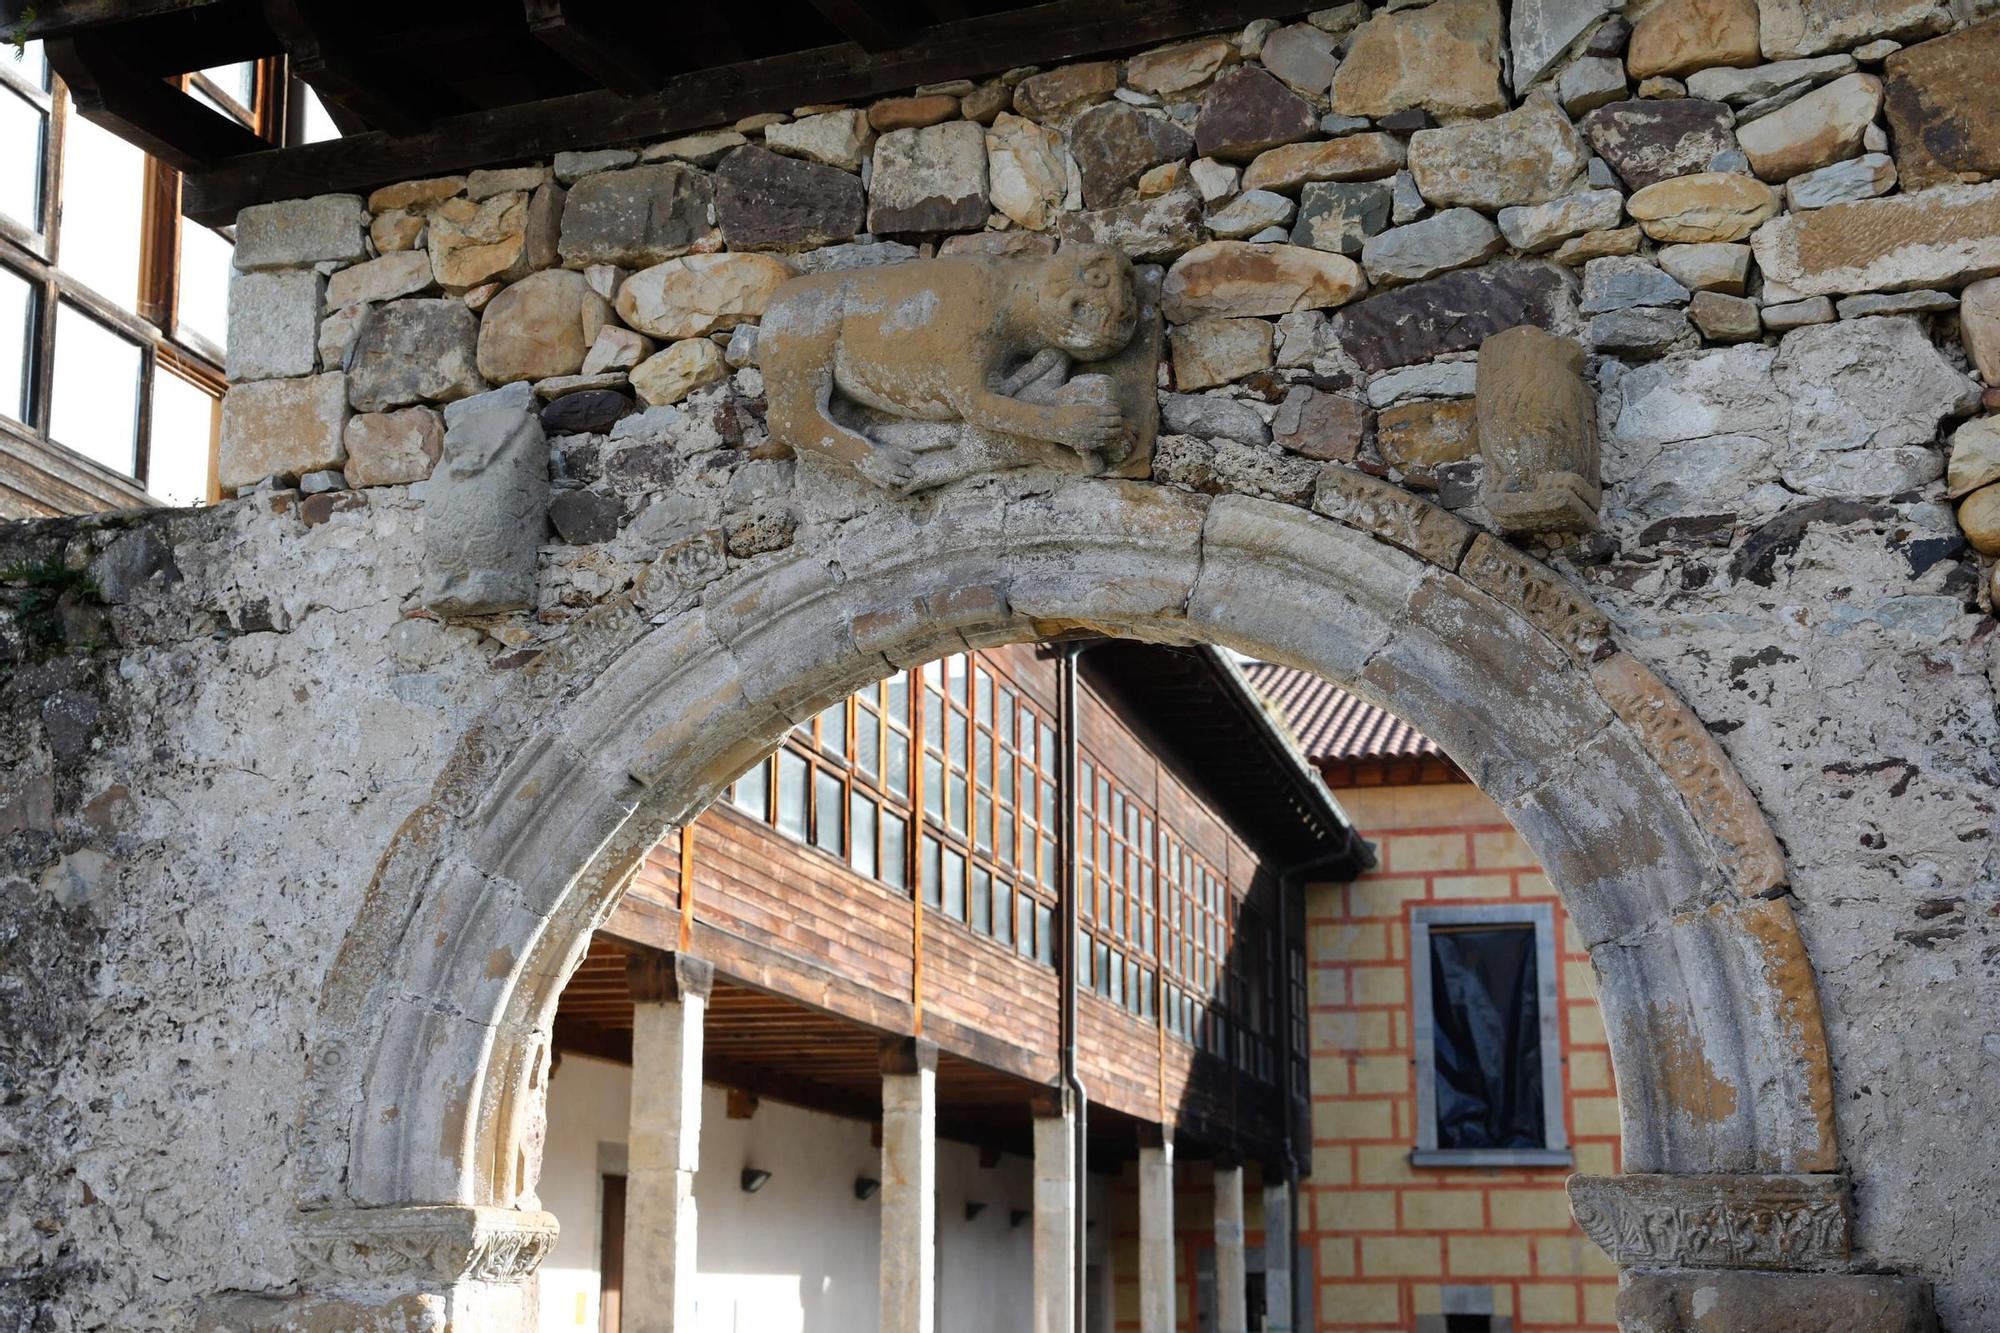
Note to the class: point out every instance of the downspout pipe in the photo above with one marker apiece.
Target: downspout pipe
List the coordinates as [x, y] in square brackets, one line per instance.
[1073, 1089]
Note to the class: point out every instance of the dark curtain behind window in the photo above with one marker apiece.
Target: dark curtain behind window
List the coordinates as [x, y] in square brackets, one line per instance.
[1486, 1011]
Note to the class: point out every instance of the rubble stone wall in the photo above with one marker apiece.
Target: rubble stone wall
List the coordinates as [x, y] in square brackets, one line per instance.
[1773, 224]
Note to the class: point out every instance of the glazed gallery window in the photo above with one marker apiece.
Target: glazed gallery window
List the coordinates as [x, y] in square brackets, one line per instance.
[943, 779]
[113, 307]
[1489, 1059]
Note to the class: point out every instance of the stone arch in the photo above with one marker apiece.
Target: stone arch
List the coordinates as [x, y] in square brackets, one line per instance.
[427, 1070]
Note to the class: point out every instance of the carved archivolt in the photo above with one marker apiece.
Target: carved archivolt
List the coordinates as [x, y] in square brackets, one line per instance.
[1718, 1221]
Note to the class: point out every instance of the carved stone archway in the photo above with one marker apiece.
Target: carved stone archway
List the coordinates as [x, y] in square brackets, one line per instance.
[427, 1072]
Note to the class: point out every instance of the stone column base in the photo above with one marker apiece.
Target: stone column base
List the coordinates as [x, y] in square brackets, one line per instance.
[1722, 1301]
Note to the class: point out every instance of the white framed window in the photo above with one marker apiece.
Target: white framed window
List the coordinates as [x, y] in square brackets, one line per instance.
[1487, 1036]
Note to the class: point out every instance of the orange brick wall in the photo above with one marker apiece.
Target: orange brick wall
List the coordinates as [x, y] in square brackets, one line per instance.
[1386, 1236]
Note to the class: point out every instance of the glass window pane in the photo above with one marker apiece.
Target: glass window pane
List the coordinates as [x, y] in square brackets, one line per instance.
[1024, 925]
[1044, 936]
[238, 81]
[94, 408]
[899, 697]
[954, 884]
[958, 802]
[833, 729]
[867, 742]
[98, 240]
[934, 787]
[863, 816]
[899, 764]
[792, 776]
[895, 850]
[23, 136]
[982, 900]
[204, 283]
[752, 794]
[933, 872]
[1003, 912]
[177, 447]
[829, 813]
[17, 333]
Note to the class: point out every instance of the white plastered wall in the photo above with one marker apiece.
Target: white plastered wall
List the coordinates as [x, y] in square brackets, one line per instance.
[798, 1256]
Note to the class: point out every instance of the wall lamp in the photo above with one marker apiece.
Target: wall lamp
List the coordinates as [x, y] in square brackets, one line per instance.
[753, 1179]
[864, 1188]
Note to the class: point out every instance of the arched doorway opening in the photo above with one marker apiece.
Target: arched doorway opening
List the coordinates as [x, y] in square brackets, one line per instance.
[429, 1069]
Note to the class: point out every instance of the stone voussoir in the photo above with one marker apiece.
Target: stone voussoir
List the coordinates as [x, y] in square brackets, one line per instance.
[1696, 762]
[1388, 512]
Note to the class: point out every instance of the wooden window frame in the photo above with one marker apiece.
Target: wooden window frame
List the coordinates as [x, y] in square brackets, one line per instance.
[153, 324]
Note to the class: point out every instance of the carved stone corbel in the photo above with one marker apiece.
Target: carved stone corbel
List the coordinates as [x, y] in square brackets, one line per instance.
[1537, 433]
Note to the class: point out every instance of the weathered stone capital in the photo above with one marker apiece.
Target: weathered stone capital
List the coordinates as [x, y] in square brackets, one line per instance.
[359, 1248]
[1715, 1221]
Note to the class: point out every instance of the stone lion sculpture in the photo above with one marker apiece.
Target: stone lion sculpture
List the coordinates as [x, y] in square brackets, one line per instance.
[920, 373]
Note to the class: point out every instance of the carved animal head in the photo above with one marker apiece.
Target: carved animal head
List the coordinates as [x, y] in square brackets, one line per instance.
[1089, 301]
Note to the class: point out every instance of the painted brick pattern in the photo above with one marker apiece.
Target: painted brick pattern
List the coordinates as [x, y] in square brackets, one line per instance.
[1387, 1238]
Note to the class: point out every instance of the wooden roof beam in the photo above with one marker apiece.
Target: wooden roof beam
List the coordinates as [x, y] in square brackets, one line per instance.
[374, 96]
[873, 25]
[145, 109]
[598, 55]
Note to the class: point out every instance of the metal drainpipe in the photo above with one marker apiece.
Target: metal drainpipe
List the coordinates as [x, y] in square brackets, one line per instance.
[1066, 832]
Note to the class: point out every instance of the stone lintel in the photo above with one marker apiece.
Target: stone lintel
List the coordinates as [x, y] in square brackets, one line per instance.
[430, 1245]
[1715, 1221]
[909, 1055]
[667, 978]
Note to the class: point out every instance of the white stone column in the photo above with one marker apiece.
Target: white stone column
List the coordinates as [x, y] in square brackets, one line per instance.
[1055, 1221]
[669, 999]
[909, 1186]
[1278, 1301]
[1156, 1238]
[1232, 1296]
